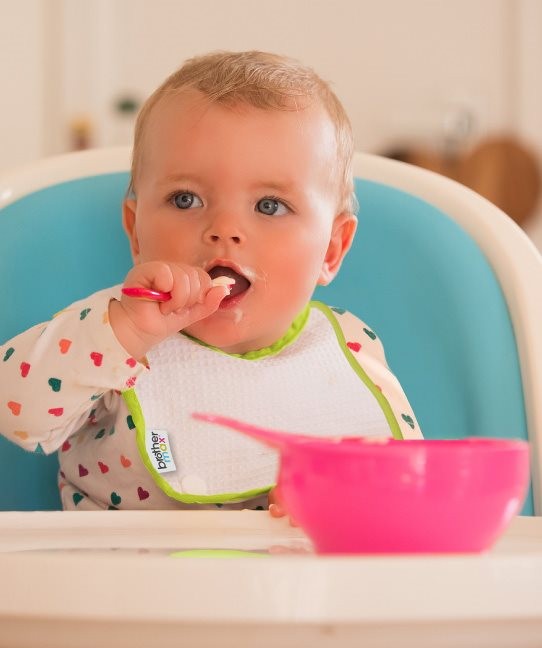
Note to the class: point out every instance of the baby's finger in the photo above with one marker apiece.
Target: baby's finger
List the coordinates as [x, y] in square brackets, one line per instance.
[276, 511]
[153, 275]
[186, 289]
[213, 298]
[199, 311]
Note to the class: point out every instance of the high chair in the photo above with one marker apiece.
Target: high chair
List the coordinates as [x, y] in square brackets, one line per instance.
[448, 282]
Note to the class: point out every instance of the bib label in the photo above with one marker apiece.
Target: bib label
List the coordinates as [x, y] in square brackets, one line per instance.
[159, 451]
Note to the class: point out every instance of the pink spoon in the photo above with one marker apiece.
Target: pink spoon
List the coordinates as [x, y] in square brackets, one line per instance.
[275, 438]
[146, 294]
[157, 295]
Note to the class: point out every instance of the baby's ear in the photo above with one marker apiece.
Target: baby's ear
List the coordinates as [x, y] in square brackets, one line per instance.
[342, 235]
[128, 221]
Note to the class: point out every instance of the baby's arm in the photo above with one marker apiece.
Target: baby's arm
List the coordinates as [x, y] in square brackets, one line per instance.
[140, 324]
[54, 375]
[367, 350]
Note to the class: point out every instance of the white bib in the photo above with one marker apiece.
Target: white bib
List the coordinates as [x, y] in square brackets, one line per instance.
[310, 387]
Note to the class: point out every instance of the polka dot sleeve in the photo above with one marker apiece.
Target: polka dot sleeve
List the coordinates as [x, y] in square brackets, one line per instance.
[54, 374]
[367, 350]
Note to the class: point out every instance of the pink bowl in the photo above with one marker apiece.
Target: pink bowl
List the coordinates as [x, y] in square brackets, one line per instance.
[361, 496]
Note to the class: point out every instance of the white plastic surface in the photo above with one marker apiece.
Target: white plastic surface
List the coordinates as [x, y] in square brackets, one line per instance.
[64, 585]
[43, 173]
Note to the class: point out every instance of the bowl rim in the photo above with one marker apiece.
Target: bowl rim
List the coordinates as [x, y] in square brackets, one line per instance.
[368, 446]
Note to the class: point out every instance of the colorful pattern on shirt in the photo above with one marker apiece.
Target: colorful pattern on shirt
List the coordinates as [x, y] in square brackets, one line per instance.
[63, 382]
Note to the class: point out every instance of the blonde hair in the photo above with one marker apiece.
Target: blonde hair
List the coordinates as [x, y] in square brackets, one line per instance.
[261, 80]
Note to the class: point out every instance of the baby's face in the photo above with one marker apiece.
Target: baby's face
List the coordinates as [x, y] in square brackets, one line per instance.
[243, 192]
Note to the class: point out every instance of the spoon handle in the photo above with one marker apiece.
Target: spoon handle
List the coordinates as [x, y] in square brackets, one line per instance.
[146, 293]
[137, 292]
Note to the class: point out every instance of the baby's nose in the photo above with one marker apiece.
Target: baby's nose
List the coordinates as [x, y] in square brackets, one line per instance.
[224, 229]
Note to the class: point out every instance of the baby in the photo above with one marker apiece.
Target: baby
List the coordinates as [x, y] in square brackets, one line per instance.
[241, 203]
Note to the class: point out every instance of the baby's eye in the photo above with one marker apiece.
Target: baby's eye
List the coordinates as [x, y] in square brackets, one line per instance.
[271, 207]
[186, 200]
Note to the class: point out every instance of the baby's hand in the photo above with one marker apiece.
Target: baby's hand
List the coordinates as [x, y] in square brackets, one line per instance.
[140, 324]
[276, 508]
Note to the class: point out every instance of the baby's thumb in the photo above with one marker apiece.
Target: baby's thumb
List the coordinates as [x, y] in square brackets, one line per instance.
[210, 303]
[214, 298]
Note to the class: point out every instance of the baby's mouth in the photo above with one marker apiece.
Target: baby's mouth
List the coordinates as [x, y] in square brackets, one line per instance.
[241, 285]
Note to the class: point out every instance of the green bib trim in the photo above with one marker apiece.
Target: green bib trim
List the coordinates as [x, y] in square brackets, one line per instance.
[134, 407]
[132, 402]
[290, 336]
[381, 399]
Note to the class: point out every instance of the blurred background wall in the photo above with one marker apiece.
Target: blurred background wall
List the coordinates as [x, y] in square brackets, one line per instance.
[453, 85]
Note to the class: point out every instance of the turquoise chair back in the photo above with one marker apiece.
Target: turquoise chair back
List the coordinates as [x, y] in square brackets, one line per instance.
[413, 274]
[56, 246]
[429, 292]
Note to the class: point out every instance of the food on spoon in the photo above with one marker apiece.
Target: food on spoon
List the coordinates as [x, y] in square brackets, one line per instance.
[223, 281]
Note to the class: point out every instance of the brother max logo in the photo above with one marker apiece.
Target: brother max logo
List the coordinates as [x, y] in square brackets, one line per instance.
[159, 447]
